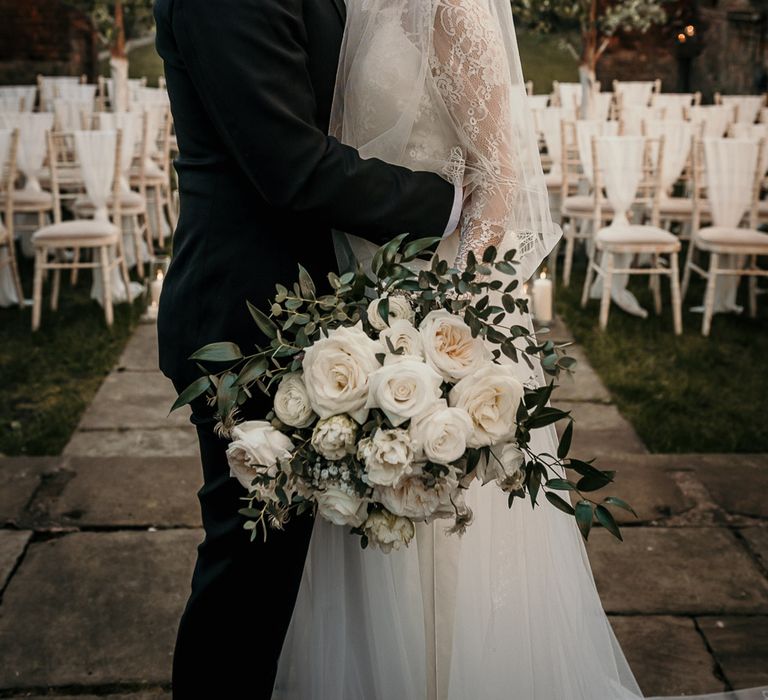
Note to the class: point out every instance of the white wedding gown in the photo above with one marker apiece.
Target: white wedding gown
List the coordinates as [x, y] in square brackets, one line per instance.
[510, 609]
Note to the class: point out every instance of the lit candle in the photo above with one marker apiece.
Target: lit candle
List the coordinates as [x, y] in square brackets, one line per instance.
[155, 287]
[542, 299]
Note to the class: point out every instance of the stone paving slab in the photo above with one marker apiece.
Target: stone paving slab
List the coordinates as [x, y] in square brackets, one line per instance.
[96, 608]
[583, 384]
[757, 537]
[740, 645]
[667, 655]
[658, 570]
[736, 482]
[129, 492]
[140, 354]
[19, 478]
[600, 430]
[12, 543]
[179, 442]
[134, 401]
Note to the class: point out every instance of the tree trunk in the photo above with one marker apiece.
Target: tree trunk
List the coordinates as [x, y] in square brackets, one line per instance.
[119, 63]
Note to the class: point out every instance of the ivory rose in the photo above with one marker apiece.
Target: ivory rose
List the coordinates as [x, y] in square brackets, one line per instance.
[441, 435]
[403, 390]
[334, 437]
[341, 507]
[399, 308]
[255, 450]
[403, 336]
[388, 457]
[388, 531]
[449, 346]
[291, 403]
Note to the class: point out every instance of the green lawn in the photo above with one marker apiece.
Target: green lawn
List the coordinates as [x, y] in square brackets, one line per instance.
[48, 378]
[682, 394]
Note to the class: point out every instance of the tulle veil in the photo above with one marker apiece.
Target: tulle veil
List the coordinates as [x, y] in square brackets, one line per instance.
[508, 611]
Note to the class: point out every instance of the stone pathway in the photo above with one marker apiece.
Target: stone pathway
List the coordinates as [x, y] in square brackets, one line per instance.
[97, 548]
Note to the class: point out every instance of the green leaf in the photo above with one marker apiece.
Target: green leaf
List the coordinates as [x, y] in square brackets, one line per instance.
[584, 517]
[383, 308]
[195, 389]
[614, 501]
[265, 324]
[226, 393]
[560, 485]
[305, 283]
[252, 371]
[489, 254]
[605, 518]
[546, 416]
[593, 482]
[217, 352]
[559, 503]
[415, 247]
[565, 441]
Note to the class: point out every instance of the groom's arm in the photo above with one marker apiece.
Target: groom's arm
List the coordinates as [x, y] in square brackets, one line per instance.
[248, 61]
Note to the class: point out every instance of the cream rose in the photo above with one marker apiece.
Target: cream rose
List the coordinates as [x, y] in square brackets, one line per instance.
[449, 346]
[403, 336]
[441, 435]
[336, 370]
[291, 403]
[403, 390]
[388, 531]
[334, 437]
[399, 308]
[388, 457]
[504, 465]
[255, 450]
[414, 499]
[491, 397]
[341, 507]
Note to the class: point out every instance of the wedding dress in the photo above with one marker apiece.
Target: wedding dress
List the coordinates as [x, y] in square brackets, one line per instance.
[509, 610]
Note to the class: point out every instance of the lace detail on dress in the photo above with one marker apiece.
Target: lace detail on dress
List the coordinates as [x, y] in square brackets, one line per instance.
[471, 72]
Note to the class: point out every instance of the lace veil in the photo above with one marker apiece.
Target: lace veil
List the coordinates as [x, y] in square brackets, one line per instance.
[437, 85]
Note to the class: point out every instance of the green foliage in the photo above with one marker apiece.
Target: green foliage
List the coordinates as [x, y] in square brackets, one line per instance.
[137, 17]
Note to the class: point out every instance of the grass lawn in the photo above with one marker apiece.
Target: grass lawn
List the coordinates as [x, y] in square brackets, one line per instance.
[682, 394]
[48, 378]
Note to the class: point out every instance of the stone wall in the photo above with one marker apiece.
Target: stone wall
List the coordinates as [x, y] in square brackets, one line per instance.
[44, 36]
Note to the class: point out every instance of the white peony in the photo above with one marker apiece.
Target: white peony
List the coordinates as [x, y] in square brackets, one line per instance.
[255, 450]
[388, 457]
[399, 308]
[334, 437]
[404, 390]
[403, 336]
[388, 531]
[441, 435]
[341, 507]
[336, 370]
[491, 397]
[291, 403]
[449, 346]
[504, 465]
[413, 498]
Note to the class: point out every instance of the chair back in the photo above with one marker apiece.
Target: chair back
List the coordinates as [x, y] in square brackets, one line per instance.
[9, 142]
[133, 127]
[72, 115]
[635, 93]
[52, 86]
[98, 154]
[631, 119]
[715, 118]
[678, 140]
[747, 107]
[16, 93]
[550, 124]
[568, 95]
[585, 130]
[675, 103]
[32, 143]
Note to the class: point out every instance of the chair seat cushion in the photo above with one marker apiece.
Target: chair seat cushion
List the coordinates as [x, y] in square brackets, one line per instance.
[681, 206]
[553, 180]
[722, 237]
[636, 235]
[583, 203]
[83, 232]
[129, 202]
[30, 200]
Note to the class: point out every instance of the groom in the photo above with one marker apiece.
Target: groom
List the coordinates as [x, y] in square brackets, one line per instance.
[261, 186]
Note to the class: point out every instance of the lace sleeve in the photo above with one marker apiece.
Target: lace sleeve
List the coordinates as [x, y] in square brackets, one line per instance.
[469, 66]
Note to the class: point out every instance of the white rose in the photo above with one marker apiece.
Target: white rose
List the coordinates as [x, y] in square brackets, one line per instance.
[399, 308]
[336, 370]
[341, 507]
[413, 498]
[388, 531]
[334, 437]
[449, 346]
[403, 336]
[291, 403]
[403, 390]
[388, 457]
[491, 397]
[255, 450]
[505, 465]
[441, 435]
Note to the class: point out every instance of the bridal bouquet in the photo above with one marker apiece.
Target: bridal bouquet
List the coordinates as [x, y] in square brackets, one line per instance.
[390, 396]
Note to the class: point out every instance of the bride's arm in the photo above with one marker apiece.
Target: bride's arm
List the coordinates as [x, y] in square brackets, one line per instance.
[471, 72]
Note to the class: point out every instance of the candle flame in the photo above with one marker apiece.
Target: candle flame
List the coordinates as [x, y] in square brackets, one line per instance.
[543, 275]
[160, 275]
[690, 30]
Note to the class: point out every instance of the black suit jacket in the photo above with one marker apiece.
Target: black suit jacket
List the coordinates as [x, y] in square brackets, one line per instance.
[261, 183]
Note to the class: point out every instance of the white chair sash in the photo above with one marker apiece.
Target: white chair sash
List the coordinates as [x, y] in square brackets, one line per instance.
[128, 123]
[620, 160]
[32, 143]
[678, 137]
[600, 105]
[730, 168]
[716, 118]
[70, 113]
[50, 89]
[27, 92]
[10, 103]
[748, 105]
[550, 121]
[633, 118]
[740, 130]
[152, 97]
[5, 144]
[538, 102]
[674, 103]
[634, 93]
[570, 95]
[76, 92]
[585, 130]
[96, 155]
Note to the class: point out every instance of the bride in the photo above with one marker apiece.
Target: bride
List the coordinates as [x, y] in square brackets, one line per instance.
[510, 609]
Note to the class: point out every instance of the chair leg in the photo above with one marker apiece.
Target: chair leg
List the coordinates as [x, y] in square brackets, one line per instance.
[137, 234]
[75, 270]
[158, 215]
[172, 218]
[120, 252]
[709, 295]
[106, 284]
[37, 287]
[15, 272]
[687, 270]
[677, 310]
[568, 262]
[55, 287]
[655, 282]
[589, 277]
[147, 232]
[752, 282]
[605, 300]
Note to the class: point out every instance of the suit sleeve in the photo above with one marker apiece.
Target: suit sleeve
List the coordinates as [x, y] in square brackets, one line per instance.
[248, 61]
